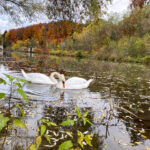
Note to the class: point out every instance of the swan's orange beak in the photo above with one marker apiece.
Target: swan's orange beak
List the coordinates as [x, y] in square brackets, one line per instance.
[63, 84]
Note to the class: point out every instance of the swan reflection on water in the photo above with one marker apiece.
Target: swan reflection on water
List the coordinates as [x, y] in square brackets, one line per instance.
[51, 93]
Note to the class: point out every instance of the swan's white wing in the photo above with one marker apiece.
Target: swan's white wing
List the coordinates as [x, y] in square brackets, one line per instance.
[76, 80]
[38, 78]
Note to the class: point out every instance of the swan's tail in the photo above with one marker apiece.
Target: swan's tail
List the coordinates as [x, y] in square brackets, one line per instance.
[89, 81]
[24, 74]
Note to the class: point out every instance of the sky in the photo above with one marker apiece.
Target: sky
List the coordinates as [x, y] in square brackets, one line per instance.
[117, 6]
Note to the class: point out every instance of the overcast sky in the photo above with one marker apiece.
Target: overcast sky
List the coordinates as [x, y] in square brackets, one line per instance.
[118, 6]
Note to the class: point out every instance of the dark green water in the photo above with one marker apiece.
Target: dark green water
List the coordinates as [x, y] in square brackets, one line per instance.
[117, 102]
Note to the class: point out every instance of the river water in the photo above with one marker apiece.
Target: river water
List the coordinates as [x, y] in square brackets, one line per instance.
[117, 102]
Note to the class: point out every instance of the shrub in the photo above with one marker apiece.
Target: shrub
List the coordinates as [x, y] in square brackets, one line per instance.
[79, 54]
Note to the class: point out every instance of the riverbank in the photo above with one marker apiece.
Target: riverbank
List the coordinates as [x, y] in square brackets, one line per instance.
[92, 55]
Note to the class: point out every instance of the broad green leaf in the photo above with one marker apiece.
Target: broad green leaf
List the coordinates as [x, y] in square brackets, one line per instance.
[2, 81]
[23, 94]
[11, 78]
[22, 111]
[44, 120]
[33, 147]
[89, 122]
[47, 138]
[51, 124]
[22, 80]
[85, 114]
[19, 85]
[85, 120]
[43, 129]
[80, 138]
[78, 112]
[65, 145]
[48, 122]
[38, 141]
[67, 122]
[20, 124]
[2, 95]
[88, 139]
[3, 121]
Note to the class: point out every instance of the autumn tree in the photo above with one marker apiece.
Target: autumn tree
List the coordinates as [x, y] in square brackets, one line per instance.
[138, 3]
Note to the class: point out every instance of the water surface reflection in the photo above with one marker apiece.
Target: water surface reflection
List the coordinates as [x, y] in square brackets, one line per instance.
[123, 87]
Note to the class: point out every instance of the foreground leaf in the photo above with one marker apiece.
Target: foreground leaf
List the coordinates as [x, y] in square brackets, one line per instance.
[2, 95]
[22, 93]
[51, 124]
[19, 85]
[78, 112]
[66, 145]
[3, 121]
[2, 81]
[67, 122]
[33, 147]
[38, 141]
[22, 80]
[43, 129]
[88, 139]
[19, 124]
[80, 138]
[47, 138]
[11, 78]
[22, 111]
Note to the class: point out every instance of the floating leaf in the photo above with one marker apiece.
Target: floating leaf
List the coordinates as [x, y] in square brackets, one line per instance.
[145, 137]
[2, 95]
[142, 131]
[43, 129]
[131, 144]
[67, 122]
[3, 121]
[33, 147]
[78, 112]
[95, 119]
[65, 145]
[138, 143]
[47, 138]
[22, 111]
[22, 93]
[147, 148]
[38, 141]
[20, 124]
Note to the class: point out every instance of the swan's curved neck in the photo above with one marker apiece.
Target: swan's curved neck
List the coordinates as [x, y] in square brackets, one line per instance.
[52, 77]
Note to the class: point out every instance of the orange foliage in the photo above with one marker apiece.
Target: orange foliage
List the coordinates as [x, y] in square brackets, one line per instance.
[138, 3]
[55, 32]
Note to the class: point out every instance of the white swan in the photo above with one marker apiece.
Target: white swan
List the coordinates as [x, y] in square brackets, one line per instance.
[42, 78]
[74, 83]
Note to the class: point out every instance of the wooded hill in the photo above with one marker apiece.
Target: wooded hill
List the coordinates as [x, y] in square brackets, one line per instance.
[41, 34]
